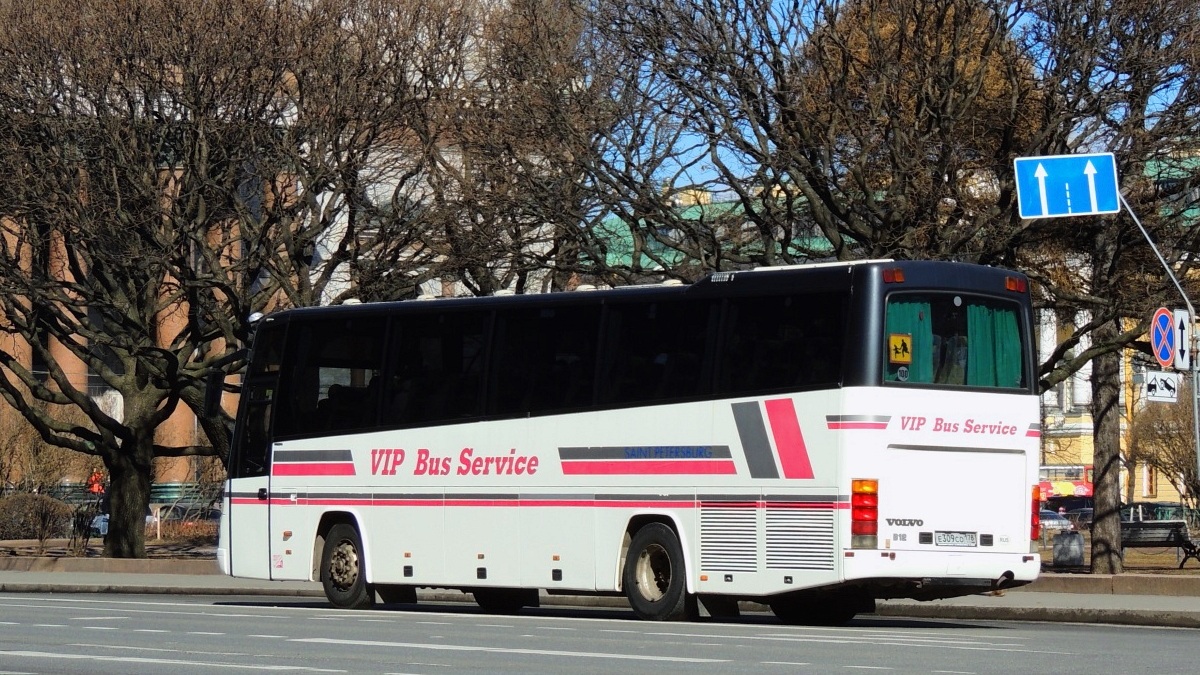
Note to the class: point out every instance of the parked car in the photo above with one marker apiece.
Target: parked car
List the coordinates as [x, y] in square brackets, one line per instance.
[99, 526]
[1138, 511]
[1053, 523]
[189, 516]
[1080, 518]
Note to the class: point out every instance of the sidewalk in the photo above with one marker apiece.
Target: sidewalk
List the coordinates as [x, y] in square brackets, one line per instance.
[1131, 599]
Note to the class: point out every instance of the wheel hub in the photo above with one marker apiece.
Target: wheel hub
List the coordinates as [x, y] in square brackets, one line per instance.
[343, 565]
[653, 572]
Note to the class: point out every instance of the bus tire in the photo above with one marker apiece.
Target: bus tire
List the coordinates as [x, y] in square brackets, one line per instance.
[343, 572]
[654, 578]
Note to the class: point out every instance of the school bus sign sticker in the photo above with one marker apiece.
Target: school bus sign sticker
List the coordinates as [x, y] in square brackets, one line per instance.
[900, 348]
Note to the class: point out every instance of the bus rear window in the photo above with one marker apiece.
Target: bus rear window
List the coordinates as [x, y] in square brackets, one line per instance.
[954, 339]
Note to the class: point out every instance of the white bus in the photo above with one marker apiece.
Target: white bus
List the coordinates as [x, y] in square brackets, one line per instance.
[811, 437]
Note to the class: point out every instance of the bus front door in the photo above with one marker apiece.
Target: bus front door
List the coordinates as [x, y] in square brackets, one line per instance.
[248, 495]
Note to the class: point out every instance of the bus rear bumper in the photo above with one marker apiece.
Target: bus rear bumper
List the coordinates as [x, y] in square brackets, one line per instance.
[921, 575]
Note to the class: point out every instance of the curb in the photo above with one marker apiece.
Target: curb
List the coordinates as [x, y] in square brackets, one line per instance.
[1159, 619]
[1116, 584]
[19, 587]
[109, 565]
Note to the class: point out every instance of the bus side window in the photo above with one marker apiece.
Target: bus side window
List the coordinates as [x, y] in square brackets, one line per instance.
[544, 359]
[326, 387]
[439, 368]
[778, 342]
[655, 351]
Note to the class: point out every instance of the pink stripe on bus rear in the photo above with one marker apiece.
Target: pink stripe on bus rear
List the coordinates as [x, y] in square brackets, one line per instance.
[793, 456]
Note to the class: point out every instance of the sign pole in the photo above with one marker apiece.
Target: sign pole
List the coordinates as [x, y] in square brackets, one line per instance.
[1195, 367]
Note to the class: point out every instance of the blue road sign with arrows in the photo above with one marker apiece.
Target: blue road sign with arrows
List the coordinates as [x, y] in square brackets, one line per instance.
[1067, 185]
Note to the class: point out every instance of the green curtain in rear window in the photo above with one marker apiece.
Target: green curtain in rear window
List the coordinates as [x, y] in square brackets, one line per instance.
[912, 318]
[993, 347]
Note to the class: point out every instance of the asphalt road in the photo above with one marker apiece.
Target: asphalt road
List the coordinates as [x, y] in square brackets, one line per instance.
[100, 633]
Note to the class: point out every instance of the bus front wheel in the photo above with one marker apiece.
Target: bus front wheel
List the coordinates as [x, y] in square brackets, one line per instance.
[343, 573]
[654, 578]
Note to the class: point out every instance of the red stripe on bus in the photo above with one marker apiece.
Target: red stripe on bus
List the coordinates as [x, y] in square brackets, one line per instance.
[523, 503]
[640, 467]
[1033, 433]
[789, 442]
[313, 469]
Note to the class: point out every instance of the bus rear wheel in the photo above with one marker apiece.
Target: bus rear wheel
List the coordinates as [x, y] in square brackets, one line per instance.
[343, 573]
[654, 578]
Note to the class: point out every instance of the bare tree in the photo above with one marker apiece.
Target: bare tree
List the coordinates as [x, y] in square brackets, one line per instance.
[171, 169]
[889, 127]
[1120, 76]
[1162, 437]
[29, 464]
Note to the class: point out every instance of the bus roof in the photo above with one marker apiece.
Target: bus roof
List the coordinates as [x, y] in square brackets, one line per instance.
[816, 276]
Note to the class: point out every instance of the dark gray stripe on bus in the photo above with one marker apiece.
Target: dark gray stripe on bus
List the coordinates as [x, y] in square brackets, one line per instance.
[647, 452]
[727, 498]
[243, 495]
[314, 456]
[949, 448]
[858, 418]
[753, 433]
[780, 499]
[802, 498]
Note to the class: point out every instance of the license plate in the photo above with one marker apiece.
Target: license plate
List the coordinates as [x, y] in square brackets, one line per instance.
[954, 538]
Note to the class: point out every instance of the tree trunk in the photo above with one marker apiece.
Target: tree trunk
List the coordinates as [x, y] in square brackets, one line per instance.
[129, 485]
[1106, 433]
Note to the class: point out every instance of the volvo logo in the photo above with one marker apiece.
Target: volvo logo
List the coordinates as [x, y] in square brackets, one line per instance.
[905, 522]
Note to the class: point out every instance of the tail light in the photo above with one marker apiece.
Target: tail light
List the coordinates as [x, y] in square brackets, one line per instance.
[1035, 520]
[1016, 284]
[864, 513]
[893, 275]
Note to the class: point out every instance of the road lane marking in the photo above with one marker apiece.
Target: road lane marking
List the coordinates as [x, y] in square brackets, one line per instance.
[507, 650]
[162, 662]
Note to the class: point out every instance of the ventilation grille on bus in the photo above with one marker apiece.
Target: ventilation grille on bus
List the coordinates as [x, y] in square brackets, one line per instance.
[728, 538]
[800, 539]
